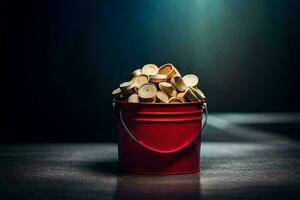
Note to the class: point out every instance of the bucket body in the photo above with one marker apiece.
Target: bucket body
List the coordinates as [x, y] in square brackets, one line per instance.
[159, 138]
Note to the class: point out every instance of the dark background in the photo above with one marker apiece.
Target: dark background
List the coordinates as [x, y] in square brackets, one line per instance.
[63, 58]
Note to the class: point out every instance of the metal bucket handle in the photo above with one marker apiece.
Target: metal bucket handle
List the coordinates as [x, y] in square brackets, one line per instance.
[165, 152]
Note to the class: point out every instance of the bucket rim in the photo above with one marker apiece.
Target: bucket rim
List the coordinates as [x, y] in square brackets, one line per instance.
[153, 104]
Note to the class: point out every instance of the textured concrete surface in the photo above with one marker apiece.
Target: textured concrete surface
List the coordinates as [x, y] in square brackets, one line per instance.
[238, 162]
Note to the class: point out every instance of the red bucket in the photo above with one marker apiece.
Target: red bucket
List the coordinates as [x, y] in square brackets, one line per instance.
[158, 138]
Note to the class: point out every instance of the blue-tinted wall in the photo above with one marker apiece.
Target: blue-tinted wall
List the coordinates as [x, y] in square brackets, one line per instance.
[65, 57]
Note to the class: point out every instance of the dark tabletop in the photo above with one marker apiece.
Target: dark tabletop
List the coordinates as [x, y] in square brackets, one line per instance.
[237, 162]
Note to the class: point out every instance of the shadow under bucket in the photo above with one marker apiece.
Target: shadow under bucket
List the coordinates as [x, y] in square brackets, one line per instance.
[159, 138]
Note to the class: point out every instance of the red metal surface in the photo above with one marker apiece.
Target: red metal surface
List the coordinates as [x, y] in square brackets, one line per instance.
[166, 137]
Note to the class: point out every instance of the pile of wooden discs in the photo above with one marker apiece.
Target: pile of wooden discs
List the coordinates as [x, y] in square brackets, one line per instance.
[162, 85]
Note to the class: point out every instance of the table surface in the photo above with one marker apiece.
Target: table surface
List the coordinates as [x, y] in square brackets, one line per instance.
[237, 161]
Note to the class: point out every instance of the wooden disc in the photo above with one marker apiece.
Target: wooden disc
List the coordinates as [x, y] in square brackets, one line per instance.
[198, 93]
[136, 72]
[158, 78]
[134, 98]
[167, 69]
[168, 88]
[126, 85]
[176, 100]
[127, 88]
[191, 95]
[162, 97]
[149, 69]
[116, 92]
[181, 95]
[140, 80]
[178, 83]
[147, 92]
[190, 80]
